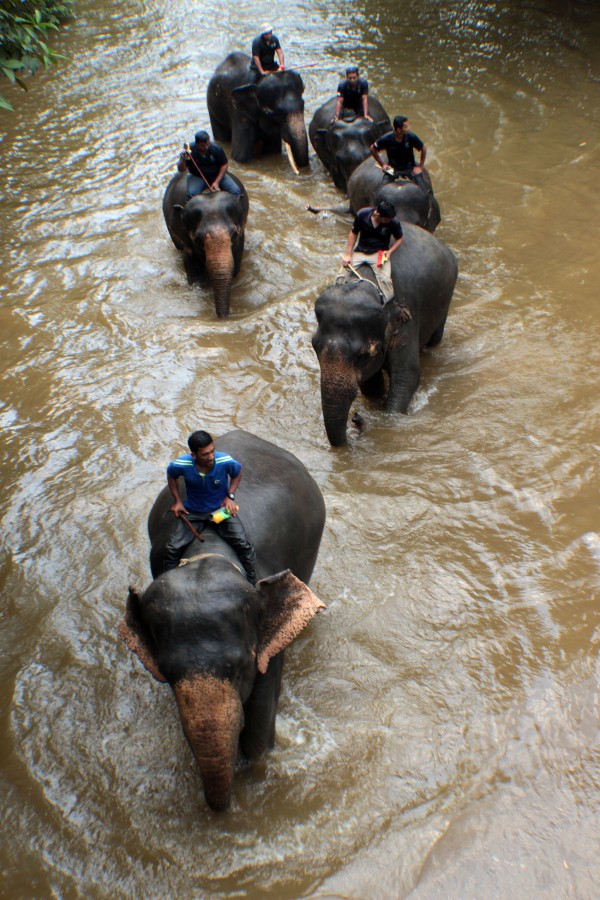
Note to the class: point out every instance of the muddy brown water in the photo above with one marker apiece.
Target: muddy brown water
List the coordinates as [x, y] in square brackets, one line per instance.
[438, 731]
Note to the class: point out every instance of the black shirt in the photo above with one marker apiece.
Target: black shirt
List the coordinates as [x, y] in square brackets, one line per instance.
[209, 164]
[352, 94]
[265, 50]
[399, 153]
[372, 239]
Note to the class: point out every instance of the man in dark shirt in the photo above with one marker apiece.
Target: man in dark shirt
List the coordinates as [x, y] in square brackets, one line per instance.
[399, 145]
[207, 167]
[353, 95]
[374, 227]
[211, 480]
[264, 48]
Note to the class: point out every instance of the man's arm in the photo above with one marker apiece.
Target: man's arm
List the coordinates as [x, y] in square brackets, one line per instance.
[178, 509]
[258, 65]
[216, 185]
[418, 169]
[279, 53]
[365, 105]
[338, 107]
[394, 246]
[347, 258]
[228, 503]
[378, 159]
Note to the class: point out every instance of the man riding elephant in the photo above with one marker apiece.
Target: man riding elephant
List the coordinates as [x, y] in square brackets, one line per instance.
[374, 227]
[264, 47]
[207, 166]
[399, 145]
[352, 95]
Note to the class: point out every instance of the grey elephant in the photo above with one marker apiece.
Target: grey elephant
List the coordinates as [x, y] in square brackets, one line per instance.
[209, 229]
[246, 108]
[358, 340]
[368, 185]
[343, 145]
[214, 638]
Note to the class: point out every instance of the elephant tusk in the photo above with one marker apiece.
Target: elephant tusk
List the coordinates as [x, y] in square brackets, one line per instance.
[288, 150]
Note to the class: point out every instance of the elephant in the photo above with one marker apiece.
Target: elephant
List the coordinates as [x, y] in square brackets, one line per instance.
[358, 339]
[341, 146]
[213, 637]
[245, 108]
[367, 186]
[209, 229]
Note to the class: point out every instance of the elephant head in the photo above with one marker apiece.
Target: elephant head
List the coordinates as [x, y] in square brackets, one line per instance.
[272, 109]
[354, 334]
[210, 231]
[367, 185]
[203, 629]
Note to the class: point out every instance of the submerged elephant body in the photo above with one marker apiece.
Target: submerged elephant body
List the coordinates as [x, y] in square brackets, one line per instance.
[357, 339]
[343, 145]
[209, 229]
[218, 641]
[367, 186]
[246, 108]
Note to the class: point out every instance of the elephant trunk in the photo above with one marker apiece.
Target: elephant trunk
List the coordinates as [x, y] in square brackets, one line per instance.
[219, 267]
[294, 133]
[339, 387]
[212, 718]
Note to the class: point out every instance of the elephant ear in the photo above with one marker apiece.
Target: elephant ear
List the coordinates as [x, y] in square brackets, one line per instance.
[179, 228]
[289, 606]
[132, 633]
[245, 100]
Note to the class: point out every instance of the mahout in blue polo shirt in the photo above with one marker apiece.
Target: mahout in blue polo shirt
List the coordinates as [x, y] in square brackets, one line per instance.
[205, 492]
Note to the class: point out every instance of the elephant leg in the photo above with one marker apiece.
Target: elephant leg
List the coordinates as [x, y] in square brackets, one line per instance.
[260, 709]
[220, 129]
[437, 335]
[374, 387]
[405, 373]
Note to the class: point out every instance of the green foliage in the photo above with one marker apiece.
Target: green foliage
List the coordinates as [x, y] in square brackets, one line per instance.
[24, 29]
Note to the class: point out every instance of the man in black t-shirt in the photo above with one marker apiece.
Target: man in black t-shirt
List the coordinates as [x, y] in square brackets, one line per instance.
[207, 167]
[400, 145]
[352, 94]
[374, 227]
[264, 48]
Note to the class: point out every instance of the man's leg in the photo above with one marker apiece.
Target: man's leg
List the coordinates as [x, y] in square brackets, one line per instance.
[195, 185]
[229, 185]
[232, 531]
[179, 539]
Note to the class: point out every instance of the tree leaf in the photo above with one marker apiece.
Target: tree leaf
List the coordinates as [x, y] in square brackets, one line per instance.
[4, 104]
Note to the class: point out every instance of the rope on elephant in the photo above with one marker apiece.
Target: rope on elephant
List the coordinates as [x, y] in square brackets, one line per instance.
[191, 559]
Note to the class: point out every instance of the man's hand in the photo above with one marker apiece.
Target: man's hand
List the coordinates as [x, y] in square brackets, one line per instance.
[179, 510]
[368, 117]
[417, 170]
[389, 169]
[230, 506]
[346, 260]
[215, 187]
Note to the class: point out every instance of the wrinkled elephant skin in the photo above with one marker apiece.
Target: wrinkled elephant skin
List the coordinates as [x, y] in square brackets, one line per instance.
[247, 109]
[342, 146]
[357, 339]
[209, 229]
[367, 186]
[215, 639]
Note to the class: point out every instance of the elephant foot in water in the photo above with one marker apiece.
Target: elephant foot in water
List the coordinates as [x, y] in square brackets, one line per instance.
[358, 422]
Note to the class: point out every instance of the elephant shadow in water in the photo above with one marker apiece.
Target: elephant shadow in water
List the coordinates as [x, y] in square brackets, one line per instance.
[209, 229]
[250, 110]
[213, 637]
[358, 340]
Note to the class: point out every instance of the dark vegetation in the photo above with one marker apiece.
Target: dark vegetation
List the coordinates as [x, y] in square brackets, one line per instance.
[25, 26]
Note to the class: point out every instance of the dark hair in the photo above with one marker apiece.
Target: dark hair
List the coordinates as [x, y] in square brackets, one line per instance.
[201, 136]
[351, 70]
[198, 440]
[385, 208]
[399, 121]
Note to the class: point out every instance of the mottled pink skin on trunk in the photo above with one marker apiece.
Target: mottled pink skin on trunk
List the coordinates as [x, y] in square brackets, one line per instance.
[219, 267]
[212, 718]
[339, 387]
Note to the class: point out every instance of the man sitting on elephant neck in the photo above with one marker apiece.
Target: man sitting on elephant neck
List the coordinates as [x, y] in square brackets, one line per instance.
[374, 226]
[264, 48]
[399, 144]
[211, 480]
[207, 167]
[352, 96]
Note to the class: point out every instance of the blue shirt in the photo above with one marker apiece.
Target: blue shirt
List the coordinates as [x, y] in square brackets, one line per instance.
[205, 493]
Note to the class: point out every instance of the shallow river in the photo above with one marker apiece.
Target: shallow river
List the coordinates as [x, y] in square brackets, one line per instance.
[439, 724]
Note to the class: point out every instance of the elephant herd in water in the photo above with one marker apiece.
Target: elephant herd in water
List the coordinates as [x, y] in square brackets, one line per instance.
[216, 639]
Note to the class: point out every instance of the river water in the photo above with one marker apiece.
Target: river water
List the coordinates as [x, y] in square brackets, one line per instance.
[438, 732]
